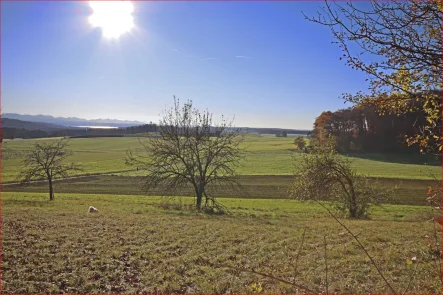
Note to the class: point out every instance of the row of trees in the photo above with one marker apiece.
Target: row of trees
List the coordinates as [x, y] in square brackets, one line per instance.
[151, 127]
[363, 128]
[11, 133]
[398, 44]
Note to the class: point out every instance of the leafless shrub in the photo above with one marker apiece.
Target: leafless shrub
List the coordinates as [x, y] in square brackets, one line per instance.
[46, 161]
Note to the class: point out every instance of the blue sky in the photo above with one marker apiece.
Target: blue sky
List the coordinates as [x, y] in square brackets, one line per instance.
[261, 62]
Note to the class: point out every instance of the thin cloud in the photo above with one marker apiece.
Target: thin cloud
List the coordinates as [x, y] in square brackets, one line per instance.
[182, 53]
[192, 56]
[243, 56]
[178, 51]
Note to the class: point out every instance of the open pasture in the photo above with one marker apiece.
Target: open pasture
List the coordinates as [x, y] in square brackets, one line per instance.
[265, 156]
[96, 155]
[132, 246]
[409, 192]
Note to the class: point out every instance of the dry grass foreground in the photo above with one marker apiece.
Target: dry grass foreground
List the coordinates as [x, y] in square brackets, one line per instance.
[132, 246]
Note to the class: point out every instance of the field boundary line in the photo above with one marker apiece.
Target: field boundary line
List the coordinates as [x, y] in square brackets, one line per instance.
[72, 177]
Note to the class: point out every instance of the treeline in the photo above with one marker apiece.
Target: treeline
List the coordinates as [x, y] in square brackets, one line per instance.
[275, 131]
[94, 136]
[363, 129]
[11, 133]
[96, 132]
[33, 130]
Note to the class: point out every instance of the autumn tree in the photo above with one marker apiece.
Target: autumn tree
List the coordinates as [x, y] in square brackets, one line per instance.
[192, 150]
[399, 45]
[362, 128]
[46, 161]
[321, 128]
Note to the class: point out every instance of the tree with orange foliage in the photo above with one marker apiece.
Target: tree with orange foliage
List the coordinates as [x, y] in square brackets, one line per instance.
[399, 46]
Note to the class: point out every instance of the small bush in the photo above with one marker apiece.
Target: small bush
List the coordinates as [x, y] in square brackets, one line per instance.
[324, 175]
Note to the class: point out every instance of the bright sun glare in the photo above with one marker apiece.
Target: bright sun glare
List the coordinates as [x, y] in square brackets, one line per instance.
[113, 17]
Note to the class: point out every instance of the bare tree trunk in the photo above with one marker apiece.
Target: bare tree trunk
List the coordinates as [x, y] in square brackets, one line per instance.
[203, 193]
[51, 190]
[353, 206]
[199, 193]
[199, 196]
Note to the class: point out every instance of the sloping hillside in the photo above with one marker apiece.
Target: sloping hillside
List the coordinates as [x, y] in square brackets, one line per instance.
[18, 124]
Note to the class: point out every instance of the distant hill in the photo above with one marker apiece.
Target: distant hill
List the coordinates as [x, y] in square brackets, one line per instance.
[71, 121]
[18, 124]
[67, 126]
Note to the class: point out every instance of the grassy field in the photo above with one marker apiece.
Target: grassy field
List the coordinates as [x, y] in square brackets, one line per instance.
[266, 156]
[410, 192]
[132, 246]
[96, 155]
[136, 245]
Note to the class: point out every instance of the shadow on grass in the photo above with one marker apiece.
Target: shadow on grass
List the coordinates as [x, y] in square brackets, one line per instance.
[42, 202]
[401, 158]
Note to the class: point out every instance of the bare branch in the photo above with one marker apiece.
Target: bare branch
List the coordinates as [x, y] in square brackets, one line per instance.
[398, 45]
[361, 246]
[298, 253]
[192, 151]
[45, 161]
[308, 289]
[326, 267]
[411, 278]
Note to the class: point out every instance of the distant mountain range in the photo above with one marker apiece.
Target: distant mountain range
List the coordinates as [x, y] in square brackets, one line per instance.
[72, 121]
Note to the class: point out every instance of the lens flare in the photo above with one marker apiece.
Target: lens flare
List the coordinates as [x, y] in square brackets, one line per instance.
[113, 17]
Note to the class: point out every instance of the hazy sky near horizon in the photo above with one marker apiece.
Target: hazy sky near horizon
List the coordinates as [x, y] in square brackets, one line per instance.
[261, 62]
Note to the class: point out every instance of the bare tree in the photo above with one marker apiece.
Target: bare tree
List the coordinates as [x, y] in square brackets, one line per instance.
[193, 151]
[398, 44]
[45, 161]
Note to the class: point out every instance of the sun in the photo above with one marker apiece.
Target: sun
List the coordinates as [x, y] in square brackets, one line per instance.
[113, 17]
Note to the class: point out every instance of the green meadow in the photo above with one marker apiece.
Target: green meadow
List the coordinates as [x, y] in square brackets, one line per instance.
[133, 245]
[143, 244]
[264, 155]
